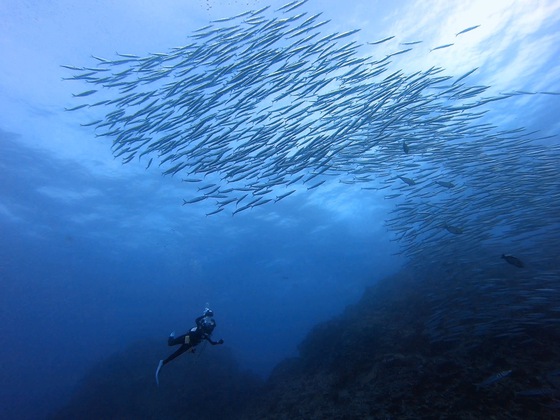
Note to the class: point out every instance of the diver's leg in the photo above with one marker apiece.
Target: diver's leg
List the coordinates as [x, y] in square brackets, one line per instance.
[173, 341]
[178, 352]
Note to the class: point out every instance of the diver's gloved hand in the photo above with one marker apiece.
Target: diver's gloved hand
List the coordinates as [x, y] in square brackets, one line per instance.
[220, 341]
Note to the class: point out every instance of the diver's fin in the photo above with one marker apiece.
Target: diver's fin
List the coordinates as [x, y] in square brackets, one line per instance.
[157, 371]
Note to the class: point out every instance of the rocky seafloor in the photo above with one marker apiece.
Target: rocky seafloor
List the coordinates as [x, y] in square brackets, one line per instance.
[381, 359]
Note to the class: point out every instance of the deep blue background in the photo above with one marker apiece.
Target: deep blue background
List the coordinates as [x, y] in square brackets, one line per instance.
[79, 288]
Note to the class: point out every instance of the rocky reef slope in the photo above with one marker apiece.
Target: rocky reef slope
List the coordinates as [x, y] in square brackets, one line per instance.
[408, 350]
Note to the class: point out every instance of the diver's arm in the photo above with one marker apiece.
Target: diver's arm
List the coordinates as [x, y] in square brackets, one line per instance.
[220, 341]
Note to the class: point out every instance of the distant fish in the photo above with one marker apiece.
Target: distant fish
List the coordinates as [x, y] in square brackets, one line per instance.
[405, 147]
[441, 47]
[289, 6]
[411, 43]
[399, 52]
[513, 260]
[493, 379]
[381, 41]
[232, 18]
[128, 55]
[406, 180]
[466, 30]
[465, 75]
[281, 196]
[215, 211]
[76, 107]
[345, 34]
[194, 200]
[205, 187]
[445, 184]
[91, 123]
[86, 93]
[71, 67]
[316, 185]
[452, 229]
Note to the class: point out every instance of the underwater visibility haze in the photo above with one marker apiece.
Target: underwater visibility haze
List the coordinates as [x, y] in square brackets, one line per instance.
[365, 194]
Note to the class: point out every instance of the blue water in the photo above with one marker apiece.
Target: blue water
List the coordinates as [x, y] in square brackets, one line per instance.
[95, 255]
[75, 292]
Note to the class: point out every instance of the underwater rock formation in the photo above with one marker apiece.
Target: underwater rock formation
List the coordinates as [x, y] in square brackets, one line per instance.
[381, 359]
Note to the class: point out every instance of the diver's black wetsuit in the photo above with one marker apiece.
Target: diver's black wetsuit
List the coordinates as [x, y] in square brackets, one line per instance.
[189, 340]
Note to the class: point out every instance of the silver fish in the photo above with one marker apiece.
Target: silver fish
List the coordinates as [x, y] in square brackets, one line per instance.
[467, 30]
[493, 379]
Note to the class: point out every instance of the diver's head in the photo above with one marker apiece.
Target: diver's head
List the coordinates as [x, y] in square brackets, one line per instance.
[208, 325]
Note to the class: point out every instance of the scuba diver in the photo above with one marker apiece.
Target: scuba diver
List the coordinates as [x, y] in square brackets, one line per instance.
[205, 324]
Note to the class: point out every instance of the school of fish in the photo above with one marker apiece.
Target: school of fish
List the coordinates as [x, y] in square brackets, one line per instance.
[265, 104]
